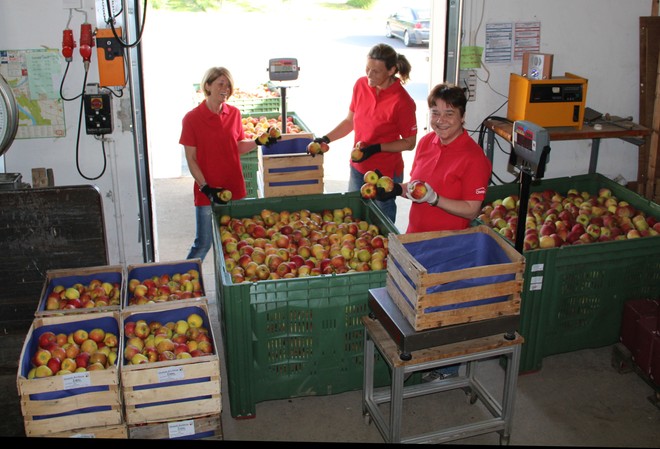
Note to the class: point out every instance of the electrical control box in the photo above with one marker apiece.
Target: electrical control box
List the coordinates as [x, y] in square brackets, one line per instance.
[559, 101]
[98, 114]
[110, 55]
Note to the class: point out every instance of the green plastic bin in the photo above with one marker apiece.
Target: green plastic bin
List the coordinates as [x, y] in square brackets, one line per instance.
[250, 166]
[576, 299]
[296, 337]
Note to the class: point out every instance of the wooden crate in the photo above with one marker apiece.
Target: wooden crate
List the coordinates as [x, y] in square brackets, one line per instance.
[431, 289]
[75, 402]
[119, 431]
[156, 270]
[286, 169]
[174, 389]
[67, 277]
[204, 427]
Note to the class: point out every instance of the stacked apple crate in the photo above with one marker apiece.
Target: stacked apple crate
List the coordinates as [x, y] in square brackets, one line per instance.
[158, 397]
[169, 395]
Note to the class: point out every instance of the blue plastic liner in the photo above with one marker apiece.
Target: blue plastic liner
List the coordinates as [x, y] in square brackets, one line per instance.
[295, 146]
[458, 252]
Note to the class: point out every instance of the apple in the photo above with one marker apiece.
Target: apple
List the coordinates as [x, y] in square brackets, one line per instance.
[47, 339]
[368, 191]
[314, 148]
[371, 177]
[356, 152]
[79, 336]
[89, 346]
[68, 364]
[43, 371]
[142, 329]
[633, 234]
[417, 190]
[225, 195]
[97, 334]
[195, 321]
[386, 183]
[82, 360]
[510, 202]
[263, 272]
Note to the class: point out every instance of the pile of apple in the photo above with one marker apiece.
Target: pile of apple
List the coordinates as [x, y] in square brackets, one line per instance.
[257, 126]
[157, 342]
[372, 180]
[165, 287]
[95, 294]
[261, 91]
[78, 351]
[554, 220]
[289, 244]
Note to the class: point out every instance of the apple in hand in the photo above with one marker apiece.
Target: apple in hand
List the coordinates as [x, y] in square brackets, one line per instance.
[418, 190]
[371, 177]
[225, 195]
[386, 183]
[368, 191]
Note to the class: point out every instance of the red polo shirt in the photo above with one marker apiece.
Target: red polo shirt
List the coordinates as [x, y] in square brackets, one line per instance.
[382, 118]
[459, 170]
[216, 138]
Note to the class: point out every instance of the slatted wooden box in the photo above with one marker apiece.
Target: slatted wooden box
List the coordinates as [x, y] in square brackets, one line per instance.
[204, 427]
[90, 278]
[450, 277]
[286, 169]
[77, 402]
[172, 389]
[118, 431]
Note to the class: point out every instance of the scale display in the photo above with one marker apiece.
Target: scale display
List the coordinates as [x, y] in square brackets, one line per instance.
[8, 116]
[283, 69]
[530, 143]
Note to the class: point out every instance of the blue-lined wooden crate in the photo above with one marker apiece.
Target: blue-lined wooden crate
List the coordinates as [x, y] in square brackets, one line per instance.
[173, 389]
[287, 170]
[156, 274]
[77, 402]
[204, 427]
[85, 276]
[451, 277]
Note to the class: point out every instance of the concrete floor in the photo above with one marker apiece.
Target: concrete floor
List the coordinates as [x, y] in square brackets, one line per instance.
[576, 399]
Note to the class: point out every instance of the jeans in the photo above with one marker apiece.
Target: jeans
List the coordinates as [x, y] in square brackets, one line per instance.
[388, 207]
[204, 234]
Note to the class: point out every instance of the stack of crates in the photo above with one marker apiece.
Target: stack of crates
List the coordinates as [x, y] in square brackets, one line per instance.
[295, 337]
[573, 296]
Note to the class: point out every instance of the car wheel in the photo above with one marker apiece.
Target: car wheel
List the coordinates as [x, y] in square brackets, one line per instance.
[406, 39]
[388, 31]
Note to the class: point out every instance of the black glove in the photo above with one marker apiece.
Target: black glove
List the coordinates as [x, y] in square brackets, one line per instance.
[214, 194]
[369, 151]
[269, 137]
[383, 195]
[323, 139]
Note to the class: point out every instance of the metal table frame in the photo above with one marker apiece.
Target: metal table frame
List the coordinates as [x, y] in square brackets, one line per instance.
[471, 352]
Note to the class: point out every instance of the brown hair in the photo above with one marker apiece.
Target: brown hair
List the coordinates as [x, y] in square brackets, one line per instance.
[213, 74]
[391, 58]
[450, 94]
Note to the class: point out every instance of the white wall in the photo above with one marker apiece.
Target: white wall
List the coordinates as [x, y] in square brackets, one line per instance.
[35, 24]
[595, 39]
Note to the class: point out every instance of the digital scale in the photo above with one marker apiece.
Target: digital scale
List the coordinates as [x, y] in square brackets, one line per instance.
[8, 116]
[531, 149]
[283, 69]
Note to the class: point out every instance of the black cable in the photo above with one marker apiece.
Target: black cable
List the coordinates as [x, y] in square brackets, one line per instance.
[62, 85]
[111, 22]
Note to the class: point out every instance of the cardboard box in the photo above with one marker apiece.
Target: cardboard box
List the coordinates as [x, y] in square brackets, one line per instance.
[450, 277]
[74, 402]
[173, 389]
[89, 278]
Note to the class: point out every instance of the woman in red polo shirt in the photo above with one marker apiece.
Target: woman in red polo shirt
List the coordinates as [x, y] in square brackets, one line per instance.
[455, 172]
[382, 115]
[213, 138]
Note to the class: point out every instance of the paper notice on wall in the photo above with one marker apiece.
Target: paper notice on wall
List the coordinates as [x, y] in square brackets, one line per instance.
[506, 42]
[471, 57]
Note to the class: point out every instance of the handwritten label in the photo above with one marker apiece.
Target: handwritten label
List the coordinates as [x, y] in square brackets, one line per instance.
[170, 374]
[181, 428]
[76, 380]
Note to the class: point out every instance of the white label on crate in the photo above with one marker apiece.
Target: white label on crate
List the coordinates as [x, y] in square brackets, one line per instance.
[537, 267]
[170, 374]
[76, 380]
[536, 283]
[83, 435]
[181, 428]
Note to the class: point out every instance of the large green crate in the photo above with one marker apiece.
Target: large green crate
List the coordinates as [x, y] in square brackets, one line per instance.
[250, 166]
[256, 105]
[573, 295]
[296, 337]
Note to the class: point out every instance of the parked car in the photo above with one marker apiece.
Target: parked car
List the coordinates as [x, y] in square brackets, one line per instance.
[410, 24]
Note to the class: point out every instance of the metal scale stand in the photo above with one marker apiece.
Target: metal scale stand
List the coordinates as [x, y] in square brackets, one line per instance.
[282, 70]
[530, 152]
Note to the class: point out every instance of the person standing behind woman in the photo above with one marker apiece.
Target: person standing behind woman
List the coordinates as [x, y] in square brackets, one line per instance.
[455, 171]
[382, 114]
[213, 138]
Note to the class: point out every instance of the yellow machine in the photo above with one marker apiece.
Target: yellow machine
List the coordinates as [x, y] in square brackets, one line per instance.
[559, 101]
